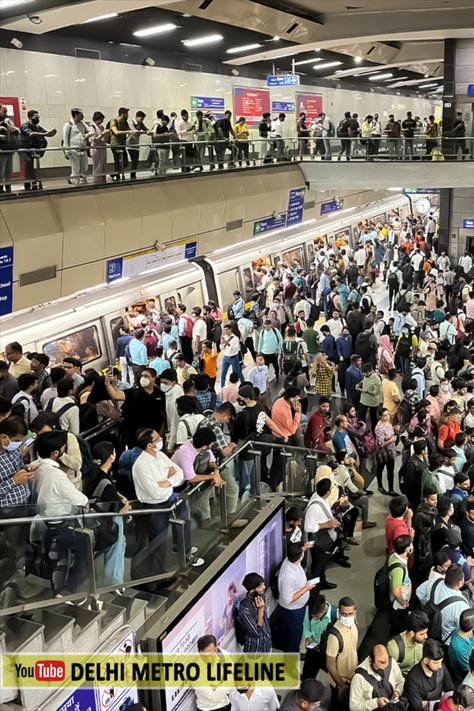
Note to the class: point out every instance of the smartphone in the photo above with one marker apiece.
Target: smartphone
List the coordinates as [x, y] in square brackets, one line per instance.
[310, 543]
[314, 581]
[27, 443]
[311, 645]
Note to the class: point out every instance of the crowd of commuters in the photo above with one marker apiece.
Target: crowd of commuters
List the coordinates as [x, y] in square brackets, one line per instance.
[380, 391]
[189, 142]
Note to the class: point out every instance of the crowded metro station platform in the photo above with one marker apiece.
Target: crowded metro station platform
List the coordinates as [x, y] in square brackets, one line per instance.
[236, 402]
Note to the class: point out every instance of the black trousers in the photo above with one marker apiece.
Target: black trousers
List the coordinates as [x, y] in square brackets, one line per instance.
[120, 161]
[362, 412]
[134, 156]
[313, 662]
[342, 366]
[186, 348]
[390, 464]
[272, 358]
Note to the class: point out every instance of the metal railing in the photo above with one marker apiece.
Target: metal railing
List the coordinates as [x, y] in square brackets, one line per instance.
[55, 168]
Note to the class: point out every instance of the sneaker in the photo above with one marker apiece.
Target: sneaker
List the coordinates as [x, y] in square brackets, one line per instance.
[197, 563]
[239, 523]
[369, 524]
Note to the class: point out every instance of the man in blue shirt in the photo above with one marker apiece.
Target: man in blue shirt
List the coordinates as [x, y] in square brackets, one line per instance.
[238, 306]
[344, 352]
[120, 354]
[354, 376]
[138, 353]
[270, 345]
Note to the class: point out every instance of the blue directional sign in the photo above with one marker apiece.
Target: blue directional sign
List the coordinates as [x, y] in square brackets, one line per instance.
[470, 89]
[269, 223]
[287, 107]
[283, 80]
[114, 269]
[331, 206]
[469, 224]
[6, 280]
[295, 207]
[207, 102]
[190, 250]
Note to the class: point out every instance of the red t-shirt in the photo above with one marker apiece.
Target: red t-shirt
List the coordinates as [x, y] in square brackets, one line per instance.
[394, 527]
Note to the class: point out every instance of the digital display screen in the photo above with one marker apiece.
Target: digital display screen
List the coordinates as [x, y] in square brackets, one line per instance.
[214, 611]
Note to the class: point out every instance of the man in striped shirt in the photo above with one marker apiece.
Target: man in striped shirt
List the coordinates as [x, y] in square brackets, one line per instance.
[252, 625]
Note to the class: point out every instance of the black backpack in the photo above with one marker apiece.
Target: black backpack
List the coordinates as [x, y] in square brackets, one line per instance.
[86, 454]
[404, 345]
[382, 585]
[211, 406]
[402, 473]
[323, 643]
[230, 313]
[424, 549]
[392, 279]
[401, 303]
[434, 611]
[313, 311]
[400, 647]
[290, 356]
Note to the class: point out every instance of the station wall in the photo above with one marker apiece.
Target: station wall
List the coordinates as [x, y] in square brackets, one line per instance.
[53, 84]
[62, 242]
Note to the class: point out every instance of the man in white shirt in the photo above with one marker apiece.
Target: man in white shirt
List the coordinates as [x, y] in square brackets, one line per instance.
[447, 330]
[466, 262]
[169, 386]
[154, 476]
[335, 324]
[417, 260]
[57, 496]
[64, 406]
[231, 348]
[360, 256]
[321, 526]
[184, 129]
[251, 698]
[73, 367]
[294, 591]
[199, 330]
[443, 261]
[211, 698]
[27, 383]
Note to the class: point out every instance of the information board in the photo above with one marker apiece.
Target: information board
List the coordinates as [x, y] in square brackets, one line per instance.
[332, 206]
[311, 104]
[135, 264]
[6, 280]
[208, 102]
[251, 103]
[295, 207]
[287, 107]
[269, 223]
[283, 80]
[469, 224]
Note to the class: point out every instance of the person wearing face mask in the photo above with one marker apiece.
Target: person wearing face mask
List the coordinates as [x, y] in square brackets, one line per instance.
[429, 679]
[15, 473]
[377, 680]
[143, 406]
[57, 496]
[341, 653]
[155, 476]
[294, 590]
[400, 584]
[76, 136]
[33, 138]
[310, 695]
[344, 351]
[169, 386]
[27, 383]
[99, 486]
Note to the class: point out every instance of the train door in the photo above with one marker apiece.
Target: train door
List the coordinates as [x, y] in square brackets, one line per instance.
[13, 107]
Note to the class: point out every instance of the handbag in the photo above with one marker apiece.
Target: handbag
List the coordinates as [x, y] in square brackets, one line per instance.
[382, 455]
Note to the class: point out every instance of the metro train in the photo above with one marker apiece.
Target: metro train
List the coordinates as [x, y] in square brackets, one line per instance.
[85, 325]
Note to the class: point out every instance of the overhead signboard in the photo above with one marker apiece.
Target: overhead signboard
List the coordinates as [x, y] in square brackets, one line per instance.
[295, 207]
[311, 104]
[469, 224]
[136, 264]
[287, 107]
[269, 223]
[208, 102]
[283, 80]
[421, 191]
[332, 206]
[470, 89]
[6, 280]
[251, 103]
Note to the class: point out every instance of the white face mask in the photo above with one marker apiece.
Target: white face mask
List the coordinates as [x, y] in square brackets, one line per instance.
[347, 621]
[12, 446]
[144, 382]
[164, 387]
[444, 388]
[159, 445]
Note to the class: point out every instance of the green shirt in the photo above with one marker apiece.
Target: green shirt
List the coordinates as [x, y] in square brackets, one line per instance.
[371, 390]
[413, 653]
[313, 629]
[399, 578]
[430, 481]
[311, 338]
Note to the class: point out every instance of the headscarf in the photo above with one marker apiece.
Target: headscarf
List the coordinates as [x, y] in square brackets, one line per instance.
[385, 348]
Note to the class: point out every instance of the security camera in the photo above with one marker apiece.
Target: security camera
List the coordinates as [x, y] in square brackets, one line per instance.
[235, 72]
[151, 62]
[16, 43]
[35, 19]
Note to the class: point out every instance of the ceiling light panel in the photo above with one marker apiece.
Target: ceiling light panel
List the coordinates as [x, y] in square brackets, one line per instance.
[200, 41]
[243, 48]
[108, 16]
[327, 65]
[379, 77]
[155, 30]
[6, 4]
[308, 61]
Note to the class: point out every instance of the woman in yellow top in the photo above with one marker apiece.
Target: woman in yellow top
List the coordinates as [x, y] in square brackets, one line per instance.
[241, 131]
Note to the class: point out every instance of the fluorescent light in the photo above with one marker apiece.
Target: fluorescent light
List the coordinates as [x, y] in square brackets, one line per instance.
[126, 44]
[318, 49]
[243, 48]
[308, 61]
[101, 17]
[397, 78]
[379, 77]
[199, 41]
[155, 30]
[394, 190]
[276, 38]
[358, 60]
[326, 65]
[5, 4]
[427, 86]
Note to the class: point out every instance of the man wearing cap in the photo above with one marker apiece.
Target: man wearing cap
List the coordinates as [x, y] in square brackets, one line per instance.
[252, 625]
[39, 364]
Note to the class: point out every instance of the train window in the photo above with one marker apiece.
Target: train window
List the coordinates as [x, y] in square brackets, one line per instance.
[115, 326]
[138, 310]
[83, 344]
[247, 281]
[293, 257]
[343, 238]
[228, 282]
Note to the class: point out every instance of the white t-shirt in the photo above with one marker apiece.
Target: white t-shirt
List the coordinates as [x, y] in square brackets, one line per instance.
[200, 330]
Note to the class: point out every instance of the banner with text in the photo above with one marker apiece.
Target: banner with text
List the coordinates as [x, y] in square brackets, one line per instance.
[311, 104]
[251, 103]
[148, 260]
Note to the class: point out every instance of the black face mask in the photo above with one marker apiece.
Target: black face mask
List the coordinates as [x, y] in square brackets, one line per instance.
[35, 120]
[242, 689]
[241, 402]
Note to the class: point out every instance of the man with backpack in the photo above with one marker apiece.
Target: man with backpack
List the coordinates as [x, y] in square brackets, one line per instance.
[377, 679]
[443, 602]
[341, 652]
[293, 352]
[400, 584]
[185, 333]
[270, 345]
[406, 648]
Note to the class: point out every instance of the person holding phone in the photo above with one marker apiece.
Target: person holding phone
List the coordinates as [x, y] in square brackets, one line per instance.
[252, 627]
[294, 591]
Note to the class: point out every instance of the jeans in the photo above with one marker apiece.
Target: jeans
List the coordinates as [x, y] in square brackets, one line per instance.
[6, 168]
[231, 487]
[227, 362]
[327, 148]
[394, 146]
[120, 161]
[246, 476]
[404, 364]
[362, 503]
[243, 149]
[345, 148]
[134, 154]
[221, 147]
[362, 412]
[408, 147]
[291, 628]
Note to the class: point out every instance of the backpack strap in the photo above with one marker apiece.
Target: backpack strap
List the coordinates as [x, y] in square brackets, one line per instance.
[100, 488]
[369, 678]
[333, 614]
[187, 428]
[62, 410]
[49, 405]
[334, 631]
[401, 648]
[436, 584]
